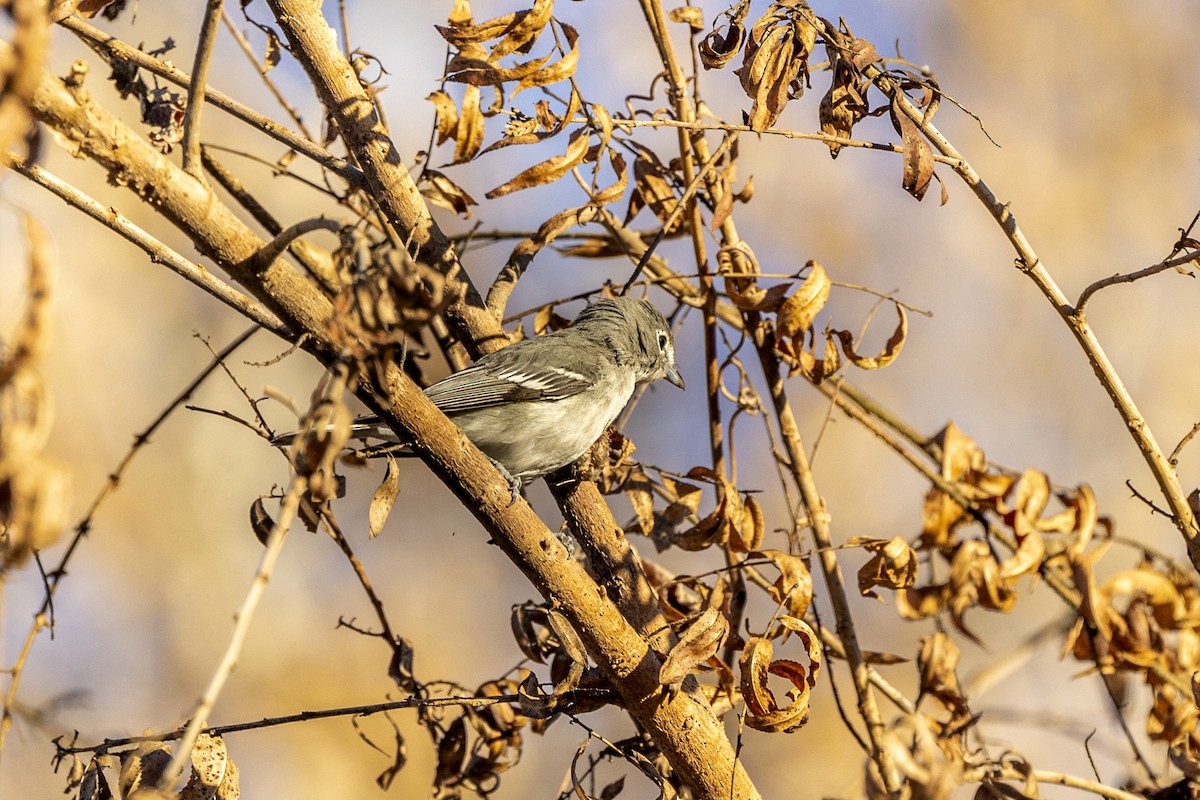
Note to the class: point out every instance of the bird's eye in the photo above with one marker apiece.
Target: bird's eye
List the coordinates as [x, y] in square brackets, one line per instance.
[662, 340]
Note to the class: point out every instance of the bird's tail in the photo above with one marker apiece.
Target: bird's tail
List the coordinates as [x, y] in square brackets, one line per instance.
[364, 428]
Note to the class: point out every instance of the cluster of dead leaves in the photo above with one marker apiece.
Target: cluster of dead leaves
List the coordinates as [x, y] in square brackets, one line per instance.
[775, 70]
[702, 613]
[34, 489]
[214, 775]
[978, 577]
[385, 296]
[1142, 623]
[481, 55]
[796, 340]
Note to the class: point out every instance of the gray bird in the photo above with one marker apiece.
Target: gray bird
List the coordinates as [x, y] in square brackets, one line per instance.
[539, 404]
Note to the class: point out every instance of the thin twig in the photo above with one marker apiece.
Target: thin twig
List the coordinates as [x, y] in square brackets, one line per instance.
[191, 117]
[118, 50]
[159, 252]
[1174, 457]
[303, 716]
[629, 124]
[43, 619]
[263, 70]
[245, 614]
[1129, 277]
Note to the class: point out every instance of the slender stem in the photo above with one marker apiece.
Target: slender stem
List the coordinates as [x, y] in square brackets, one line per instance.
[191, 117]
[244, 43]
[116, 49]
[1179, 262]
[157, 251]
[44, 617]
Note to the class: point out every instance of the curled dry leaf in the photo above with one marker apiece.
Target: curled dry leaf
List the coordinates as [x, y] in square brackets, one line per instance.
[34, 489]
[797, 313]
[516, 32]
[468, 132]
[692, 16]
[94, 785]
[261, 522]
[445, 115]
[891, 349]
[844, 104]
[893, 565]
[937, 665]
[441, 191]
[764, 712]
[793, 589]
[775, 66]
[718, 49]
[975, 580]
[384, 498]
[698, 642]
[656, 189]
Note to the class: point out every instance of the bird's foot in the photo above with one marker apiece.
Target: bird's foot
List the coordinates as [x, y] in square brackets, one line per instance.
[514, 484]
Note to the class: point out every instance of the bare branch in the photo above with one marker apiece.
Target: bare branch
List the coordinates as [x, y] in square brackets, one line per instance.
[191, 119]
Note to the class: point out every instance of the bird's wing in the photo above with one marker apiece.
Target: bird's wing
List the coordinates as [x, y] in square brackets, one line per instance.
[553, 370]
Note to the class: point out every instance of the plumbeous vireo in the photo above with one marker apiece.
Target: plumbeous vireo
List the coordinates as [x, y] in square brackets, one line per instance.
[540, 403]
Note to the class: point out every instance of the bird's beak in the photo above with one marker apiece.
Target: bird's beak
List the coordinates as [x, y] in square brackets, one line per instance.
[674, 377]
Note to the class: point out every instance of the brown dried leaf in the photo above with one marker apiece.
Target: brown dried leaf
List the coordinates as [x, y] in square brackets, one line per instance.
[460, 16]
[613, 193]
[893, 566]
[937, 664]
[34, 489]
[654, 189]
[793, 589]
[798, 311]
[214, 775]
[516, 31]
[921, 602]
[143, 766]
[468, 132]
[717, 50]
[441, 191]
[94, 785]
[763, 711]
[1031, 494]
[560, 70]
[754, 297]
[549, 170]
[473, 66]
[698, 642]
[384, 498]
[747, 531]
[775, 65]
[451, 752]
[261, 522]
[917, 155]
[975, 580]
[891, 349]
[445, 115]
[691, 16]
